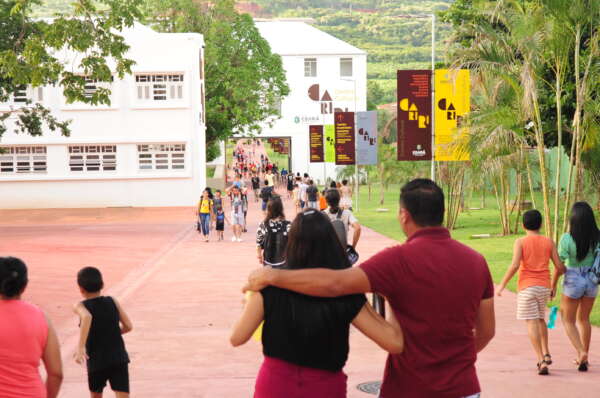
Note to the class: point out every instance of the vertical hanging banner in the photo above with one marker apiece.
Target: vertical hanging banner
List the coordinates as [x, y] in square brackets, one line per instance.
[330, 143]
[344, 138]
[315, 134]
[452, 103]
[285, 150]
[366, 125]
[414, 115]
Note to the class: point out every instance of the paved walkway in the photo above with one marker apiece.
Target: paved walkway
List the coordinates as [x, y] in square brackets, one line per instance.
[183, 296]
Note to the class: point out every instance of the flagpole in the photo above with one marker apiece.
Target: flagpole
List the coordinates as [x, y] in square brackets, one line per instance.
[433, 97]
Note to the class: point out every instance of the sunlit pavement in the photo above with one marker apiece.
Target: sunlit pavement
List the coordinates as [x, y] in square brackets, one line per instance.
[183, 296]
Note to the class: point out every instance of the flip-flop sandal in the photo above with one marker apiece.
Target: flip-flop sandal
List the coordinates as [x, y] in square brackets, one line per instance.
[548, 359]
[543, 370]
[583, 366]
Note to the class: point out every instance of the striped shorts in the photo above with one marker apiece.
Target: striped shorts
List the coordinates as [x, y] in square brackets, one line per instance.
[531, 303]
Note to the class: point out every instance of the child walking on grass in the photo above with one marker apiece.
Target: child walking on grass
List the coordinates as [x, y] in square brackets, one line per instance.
[531, 257]
[101, 346]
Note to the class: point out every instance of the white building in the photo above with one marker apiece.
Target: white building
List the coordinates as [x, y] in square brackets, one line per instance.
[146, 149]
[324, 74]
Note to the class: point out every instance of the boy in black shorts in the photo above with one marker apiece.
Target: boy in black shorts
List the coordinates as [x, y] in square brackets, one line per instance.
[220, 220]
[102, 322]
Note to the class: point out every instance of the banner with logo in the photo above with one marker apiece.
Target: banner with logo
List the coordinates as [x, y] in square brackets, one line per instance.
[452, 103]
[366, 125]
[344, 138]
[414, 115]
[315, 134]
[329, 143]
[285, 149]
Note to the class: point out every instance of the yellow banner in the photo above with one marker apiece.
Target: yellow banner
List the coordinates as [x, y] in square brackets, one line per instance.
[452, 103]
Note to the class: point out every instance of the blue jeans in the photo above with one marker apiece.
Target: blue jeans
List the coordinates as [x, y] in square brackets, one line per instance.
[577, 284]
[205, 223]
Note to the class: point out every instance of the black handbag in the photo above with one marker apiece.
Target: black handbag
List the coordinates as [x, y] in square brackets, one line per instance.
[352, 255]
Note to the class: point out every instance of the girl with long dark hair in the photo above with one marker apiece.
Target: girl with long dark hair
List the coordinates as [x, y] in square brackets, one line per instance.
[577, 250]
[272, 234]
[305, 339]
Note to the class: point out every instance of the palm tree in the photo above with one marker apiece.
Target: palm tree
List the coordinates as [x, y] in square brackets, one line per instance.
[496, 141]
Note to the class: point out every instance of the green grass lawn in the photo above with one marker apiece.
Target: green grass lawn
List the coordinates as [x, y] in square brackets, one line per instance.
[497, 250]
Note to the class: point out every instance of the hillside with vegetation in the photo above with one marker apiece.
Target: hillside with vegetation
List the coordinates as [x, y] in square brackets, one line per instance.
[373, 25]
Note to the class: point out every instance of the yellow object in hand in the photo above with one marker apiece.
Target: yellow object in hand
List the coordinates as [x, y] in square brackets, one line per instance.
[257, 335]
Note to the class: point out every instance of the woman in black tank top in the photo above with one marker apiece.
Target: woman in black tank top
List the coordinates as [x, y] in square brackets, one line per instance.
[305, 339]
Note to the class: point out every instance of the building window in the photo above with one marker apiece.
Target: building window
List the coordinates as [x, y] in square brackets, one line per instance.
[24, 94]
[92, 85]
[346, 67]
[23, 159]
[310, 67]
[203, 104]
[93, 157]
[161, 156]
[159, 87]
[201, 66]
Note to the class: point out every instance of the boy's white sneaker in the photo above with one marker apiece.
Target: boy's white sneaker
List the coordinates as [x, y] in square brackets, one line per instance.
[240, 240]
[233, 239]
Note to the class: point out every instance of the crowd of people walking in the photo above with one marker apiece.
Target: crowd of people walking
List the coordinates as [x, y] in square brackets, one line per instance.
[439, 295]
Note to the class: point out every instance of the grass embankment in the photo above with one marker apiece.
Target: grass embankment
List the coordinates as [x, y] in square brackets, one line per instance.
[497, 250]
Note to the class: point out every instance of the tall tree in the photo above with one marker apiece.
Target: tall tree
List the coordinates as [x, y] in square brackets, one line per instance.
[245, 81]
[29, 51]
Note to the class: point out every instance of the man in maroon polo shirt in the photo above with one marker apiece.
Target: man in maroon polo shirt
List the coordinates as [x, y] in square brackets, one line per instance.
[440, 290]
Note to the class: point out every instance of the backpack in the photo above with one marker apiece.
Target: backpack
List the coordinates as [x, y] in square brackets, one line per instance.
[265, 194]
[275, 243]
[594, 273]
[340, 228]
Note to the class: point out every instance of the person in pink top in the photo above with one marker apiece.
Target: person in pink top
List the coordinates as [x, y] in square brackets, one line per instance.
[26, 337]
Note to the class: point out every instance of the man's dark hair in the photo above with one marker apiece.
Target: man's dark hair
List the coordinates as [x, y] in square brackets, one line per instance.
[532, 220]
[424, 200]
[90, 279]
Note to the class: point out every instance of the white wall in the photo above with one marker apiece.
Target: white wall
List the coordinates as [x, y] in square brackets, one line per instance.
[125, 123]
[299, 111]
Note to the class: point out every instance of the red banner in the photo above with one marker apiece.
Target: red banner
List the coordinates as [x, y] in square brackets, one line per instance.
[315, 134]
[345, 151]
[414, 115]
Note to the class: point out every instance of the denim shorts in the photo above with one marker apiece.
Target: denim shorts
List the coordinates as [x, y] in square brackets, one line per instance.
[577, 284]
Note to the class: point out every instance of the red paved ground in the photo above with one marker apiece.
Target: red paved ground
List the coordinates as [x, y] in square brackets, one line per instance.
[183, 296]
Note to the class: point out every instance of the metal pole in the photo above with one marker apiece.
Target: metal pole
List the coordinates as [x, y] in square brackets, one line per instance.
[356, 177]
[433, 97]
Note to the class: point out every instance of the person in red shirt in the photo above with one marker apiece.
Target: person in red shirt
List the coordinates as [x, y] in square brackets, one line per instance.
[440, 290]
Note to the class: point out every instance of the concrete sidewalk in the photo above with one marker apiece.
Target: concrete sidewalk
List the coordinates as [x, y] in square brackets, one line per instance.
[183, 296]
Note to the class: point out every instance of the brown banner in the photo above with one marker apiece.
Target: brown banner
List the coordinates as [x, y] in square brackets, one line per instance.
[345, 151]
[317, 154]
[414, 115]
[285, 150]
